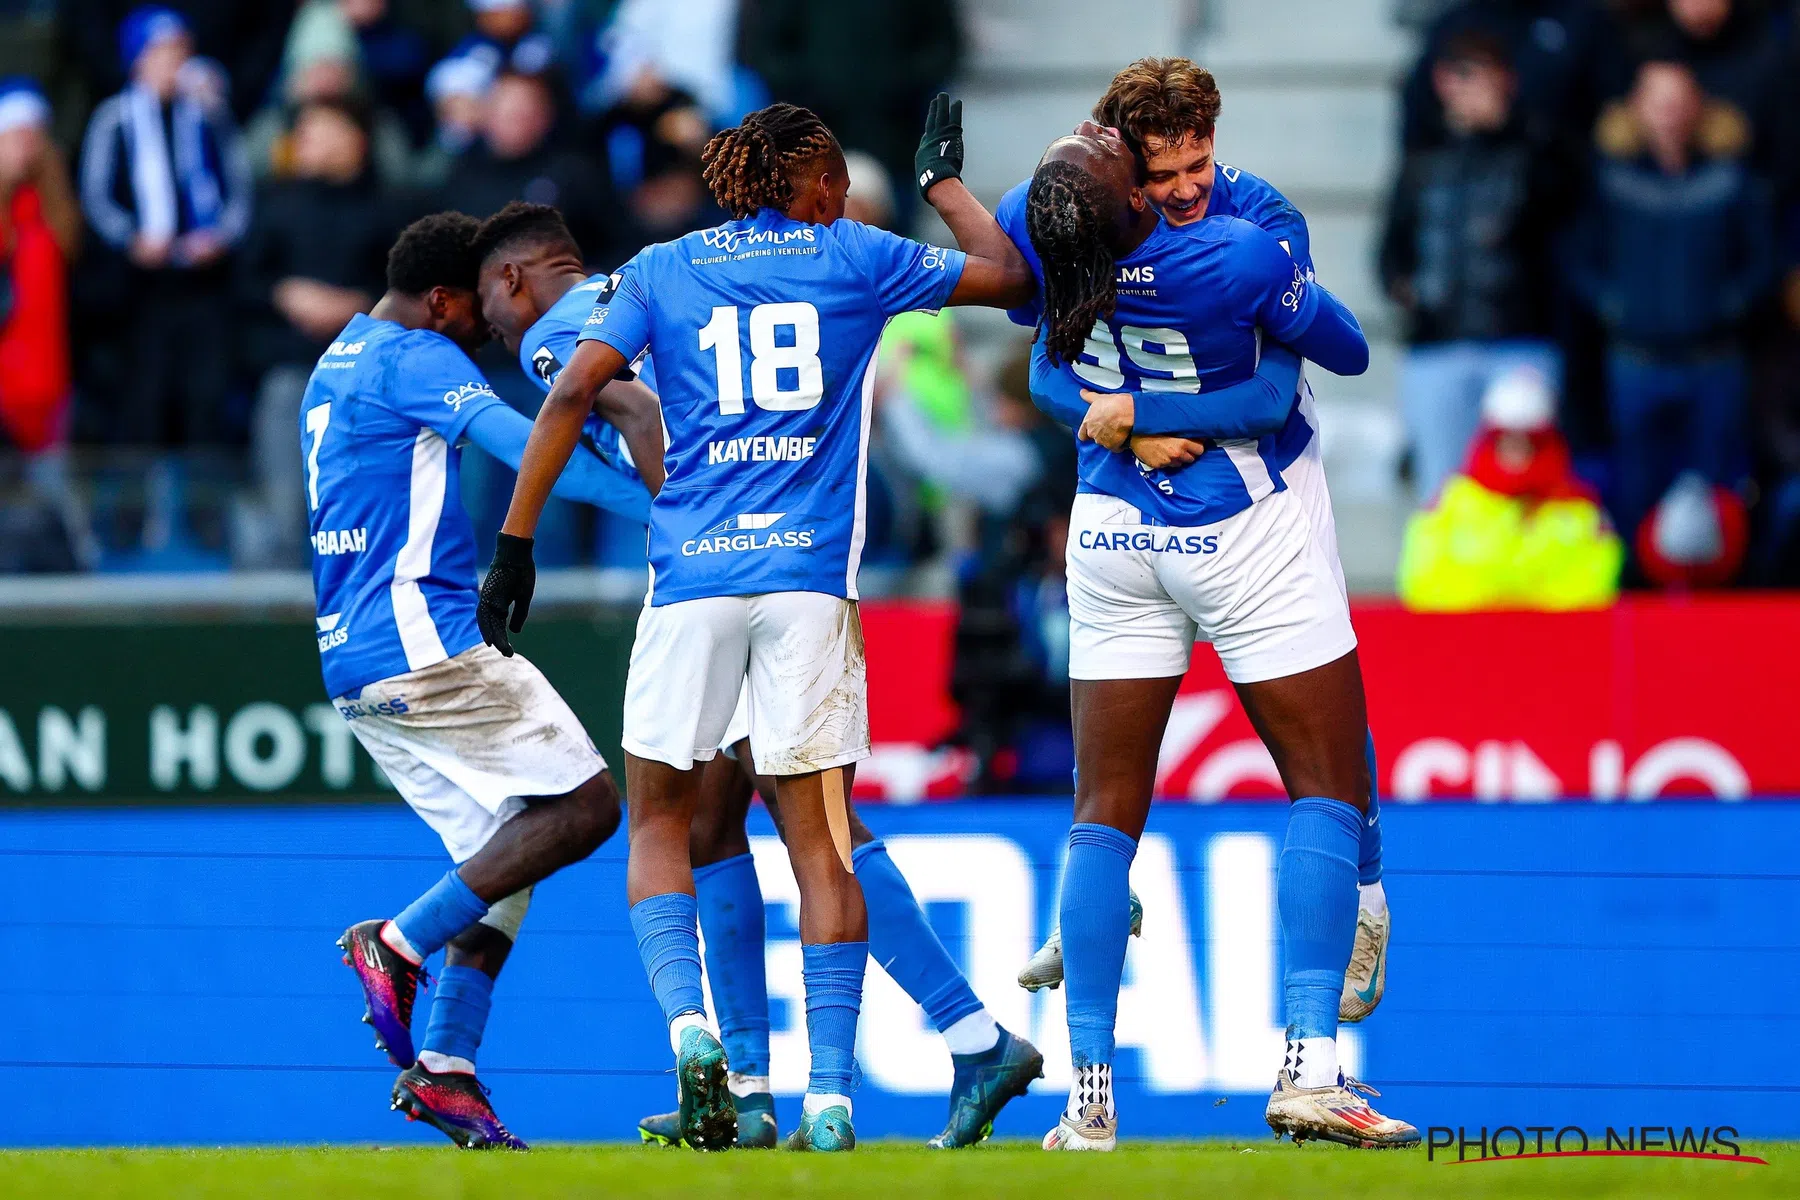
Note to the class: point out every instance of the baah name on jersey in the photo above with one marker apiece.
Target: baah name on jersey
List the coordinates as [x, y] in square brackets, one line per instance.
[760, 449]
[747, 531]
[340, 541]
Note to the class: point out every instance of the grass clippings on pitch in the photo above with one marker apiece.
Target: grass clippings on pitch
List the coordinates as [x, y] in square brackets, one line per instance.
[888, 1170]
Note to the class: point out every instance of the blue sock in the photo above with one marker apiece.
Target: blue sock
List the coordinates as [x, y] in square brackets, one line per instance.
[668, 938]
[904, 943]
[1096, 921]
[440, 914]
[459, 1011]
[1317, 897]
[731, 916]
[1368, 862]
[834, 977]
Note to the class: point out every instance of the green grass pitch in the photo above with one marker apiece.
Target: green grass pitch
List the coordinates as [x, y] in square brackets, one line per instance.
[890, 1170]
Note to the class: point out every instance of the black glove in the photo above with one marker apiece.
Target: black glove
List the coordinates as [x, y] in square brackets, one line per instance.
[940, 153]
[510, 581]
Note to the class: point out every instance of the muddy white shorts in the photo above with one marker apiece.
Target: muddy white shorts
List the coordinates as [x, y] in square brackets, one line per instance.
[1263, 586]
[802, 654]
[466, 739]
[739, 727]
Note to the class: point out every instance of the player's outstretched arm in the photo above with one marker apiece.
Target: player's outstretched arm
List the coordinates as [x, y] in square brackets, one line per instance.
[636, 413]
[996, 273]
[503, 432]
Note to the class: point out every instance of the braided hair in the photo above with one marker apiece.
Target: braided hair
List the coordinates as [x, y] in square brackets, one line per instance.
[752, 166]
[1065, 216]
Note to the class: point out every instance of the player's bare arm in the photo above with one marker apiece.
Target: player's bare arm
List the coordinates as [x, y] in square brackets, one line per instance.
[636, 412]
[996, 273]
[557, 430]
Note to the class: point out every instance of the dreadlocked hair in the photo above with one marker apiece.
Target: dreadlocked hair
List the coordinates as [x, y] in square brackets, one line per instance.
[1063, 215]
[752, 166]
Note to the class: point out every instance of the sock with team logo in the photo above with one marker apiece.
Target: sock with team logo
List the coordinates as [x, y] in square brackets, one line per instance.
[459, 1013]
[903, 942]
[434, 918]
[668, 938]
[833, 973]
[1317, 896]
[731, 917]
[1368, 861]
[1096, 921]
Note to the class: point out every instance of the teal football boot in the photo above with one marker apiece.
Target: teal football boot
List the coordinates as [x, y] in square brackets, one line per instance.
[984, 1084]
[828, 1131]
[708, 1118]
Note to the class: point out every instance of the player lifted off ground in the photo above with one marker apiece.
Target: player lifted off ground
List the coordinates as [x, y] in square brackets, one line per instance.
[1167, 110]
[762, 329]
[1213, 543]
[537, 295]
[481, 746]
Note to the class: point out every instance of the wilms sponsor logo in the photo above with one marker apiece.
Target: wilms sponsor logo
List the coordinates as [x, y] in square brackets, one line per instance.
[1514, 1142]
[732, 240]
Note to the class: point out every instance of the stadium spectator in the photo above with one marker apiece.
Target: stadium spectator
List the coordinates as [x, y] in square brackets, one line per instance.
[1733, 49]
[1466, 255]
[394, 57]
[688, 48]
[246, 37]
[867, 68]
[1672, 252]
[322, 67]
[458, 90]
[315, 258]
[1695, 537]
[40, 229]
[165, 184]
[1514, 528]
[648, 126]
[519, 159]
[871, 195]
[1553, 46]
[507, 38]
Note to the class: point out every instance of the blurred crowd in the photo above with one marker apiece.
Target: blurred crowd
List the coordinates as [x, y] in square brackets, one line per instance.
[1594, 240]
[196, 195]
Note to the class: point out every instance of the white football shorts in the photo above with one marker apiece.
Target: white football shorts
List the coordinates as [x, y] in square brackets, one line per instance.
[1264, 586]
[801, 654]
[464, 741]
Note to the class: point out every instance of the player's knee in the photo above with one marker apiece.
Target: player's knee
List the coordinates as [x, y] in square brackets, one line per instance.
[596, 813]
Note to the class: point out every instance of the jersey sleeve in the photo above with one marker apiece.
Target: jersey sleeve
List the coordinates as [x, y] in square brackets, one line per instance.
[1285, 224]
[546, 360]
[1276, 290]
[622, 320]
[436, 385]
[907, 276]
[1011, 215]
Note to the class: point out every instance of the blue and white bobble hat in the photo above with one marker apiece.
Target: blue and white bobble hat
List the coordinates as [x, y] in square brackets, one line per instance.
[145, 27]
[22, 104]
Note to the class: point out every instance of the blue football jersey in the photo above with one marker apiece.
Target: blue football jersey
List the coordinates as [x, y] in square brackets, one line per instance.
[545, 350]
[764, 332]
[1193, 304]
[394, 564]
[1236, 194]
